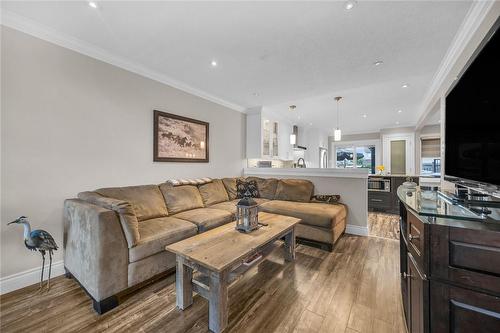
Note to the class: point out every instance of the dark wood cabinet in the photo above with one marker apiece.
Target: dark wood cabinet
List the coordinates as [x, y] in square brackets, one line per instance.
[450, 275]
[417, 286]
[387, 202]
[456, 309]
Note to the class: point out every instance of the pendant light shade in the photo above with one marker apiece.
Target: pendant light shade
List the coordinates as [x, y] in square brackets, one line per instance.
[337, 134]
[293, 139]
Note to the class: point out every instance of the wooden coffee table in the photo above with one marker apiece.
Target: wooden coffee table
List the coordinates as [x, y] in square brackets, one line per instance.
[221, 255]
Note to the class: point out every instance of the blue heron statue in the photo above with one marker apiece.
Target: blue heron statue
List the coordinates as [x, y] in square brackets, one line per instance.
[38, 240]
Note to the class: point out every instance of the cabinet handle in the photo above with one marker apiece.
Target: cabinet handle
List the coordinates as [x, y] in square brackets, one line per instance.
[376, 200]
[406, 276]
[412, 237]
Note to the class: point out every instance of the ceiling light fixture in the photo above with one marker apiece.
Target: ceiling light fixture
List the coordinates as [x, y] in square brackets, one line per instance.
[378, 63]
[337, 134]
[293, 139]
[93, 4]
[364, 116]
[397, 122]
[213, 63]
[292, 108]
[406, 85]
[348, 5]
[399, 111]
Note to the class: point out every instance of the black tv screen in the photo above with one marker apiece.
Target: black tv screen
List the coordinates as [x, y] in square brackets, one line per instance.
[472, 127]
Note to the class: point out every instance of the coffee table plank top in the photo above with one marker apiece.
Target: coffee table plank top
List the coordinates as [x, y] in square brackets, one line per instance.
[219, 248]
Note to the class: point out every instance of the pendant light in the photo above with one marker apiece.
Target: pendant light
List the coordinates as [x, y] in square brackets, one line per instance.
[337, 134]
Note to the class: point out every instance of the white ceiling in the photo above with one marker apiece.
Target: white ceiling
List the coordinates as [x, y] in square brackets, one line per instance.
[303, 53]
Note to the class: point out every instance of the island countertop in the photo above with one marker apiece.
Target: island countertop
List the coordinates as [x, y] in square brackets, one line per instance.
[312, 172]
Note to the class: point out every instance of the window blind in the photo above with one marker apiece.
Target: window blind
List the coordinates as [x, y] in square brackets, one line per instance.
[431, 147]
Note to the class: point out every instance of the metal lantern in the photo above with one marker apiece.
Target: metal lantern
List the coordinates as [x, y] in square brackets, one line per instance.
[247, 218]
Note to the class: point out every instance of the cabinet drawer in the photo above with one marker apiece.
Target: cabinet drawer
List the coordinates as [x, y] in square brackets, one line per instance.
[415, 236]
[379, 200]
[454, 309]
[468, 257]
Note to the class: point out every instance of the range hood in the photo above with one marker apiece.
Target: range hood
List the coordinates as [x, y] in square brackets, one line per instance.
[295, 132]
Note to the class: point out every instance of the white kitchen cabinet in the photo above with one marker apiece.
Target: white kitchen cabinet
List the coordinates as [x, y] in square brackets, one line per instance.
[265, 138]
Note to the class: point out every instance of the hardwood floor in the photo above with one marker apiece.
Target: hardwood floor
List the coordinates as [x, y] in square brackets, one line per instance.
[383, 225]
[354, 289]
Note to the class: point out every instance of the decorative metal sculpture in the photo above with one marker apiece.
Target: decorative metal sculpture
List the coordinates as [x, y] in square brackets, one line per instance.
[247, 215]
[38, 240]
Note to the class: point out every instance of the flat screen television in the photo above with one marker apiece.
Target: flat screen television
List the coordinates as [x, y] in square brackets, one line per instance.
[472, 121]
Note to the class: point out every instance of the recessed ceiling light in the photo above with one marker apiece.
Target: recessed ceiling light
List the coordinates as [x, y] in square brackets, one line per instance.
[406, 85]
[348, 5]
[93, 4]
[256, 94]
[397, 122]
[213, 63]
[298, 117]
[364, 116]
[310, 124]
[399, 111]
[378, 63]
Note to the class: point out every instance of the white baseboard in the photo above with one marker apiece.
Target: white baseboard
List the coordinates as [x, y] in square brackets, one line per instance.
[356, 230]
[29, 277]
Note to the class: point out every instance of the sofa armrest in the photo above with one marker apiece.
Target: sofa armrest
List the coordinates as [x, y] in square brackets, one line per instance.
[125, 211]
[95, 248]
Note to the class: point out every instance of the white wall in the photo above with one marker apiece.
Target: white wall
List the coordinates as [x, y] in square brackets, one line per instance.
[70, 123]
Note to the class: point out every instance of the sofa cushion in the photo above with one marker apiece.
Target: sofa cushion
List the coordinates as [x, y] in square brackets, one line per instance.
[213, 192]
[229, 206]
[316, 214]
[124, 209]
[206, 218]
[181, 198]
[230, 186]
[294, 190]
[158, 233]
[147, 200]
[267, 186]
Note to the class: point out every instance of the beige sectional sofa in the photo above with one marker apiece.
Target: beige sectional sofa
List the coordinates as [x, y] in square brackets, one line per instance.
[115, 238]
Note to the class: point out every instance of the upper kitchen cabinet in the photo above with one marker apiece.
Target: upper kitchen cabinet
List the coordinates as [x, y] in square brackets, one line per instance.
[266, 137]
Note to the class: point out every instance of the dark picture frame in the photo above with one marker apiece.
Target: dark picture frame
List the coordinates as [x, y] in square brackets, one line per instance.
[179, 139]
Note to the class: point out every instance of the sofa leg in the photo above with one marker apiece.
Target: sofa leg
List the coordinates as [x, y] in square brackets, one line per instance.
[320, 245]
[105, 305]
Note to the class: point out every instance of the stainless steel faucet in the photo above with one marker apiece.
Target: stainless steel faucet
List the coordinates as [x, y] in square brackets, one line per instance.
[299, 165]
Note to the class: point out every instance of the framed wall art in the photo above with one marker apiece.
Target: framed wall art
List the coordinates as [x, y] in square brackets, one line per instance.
[179, 139]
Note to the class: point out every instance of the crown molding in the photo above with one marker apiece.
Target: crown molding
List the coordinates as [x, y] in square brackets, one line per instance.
[30, 27]
[470, 25]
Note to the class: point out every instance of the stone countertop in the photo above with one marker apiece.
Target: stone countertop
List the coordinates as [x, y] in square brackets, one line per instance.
[314, 172]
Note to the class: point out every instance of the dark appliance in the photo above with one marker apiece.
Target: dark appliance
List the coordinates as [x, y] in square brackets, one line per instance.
[379, 184]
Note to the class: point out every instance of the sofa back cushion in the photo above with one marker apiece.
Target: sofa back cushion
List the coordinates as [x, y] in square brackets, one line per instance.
[147, 200]
[266, 186]
[230, 186]
[181, 198]
[213, 192]
[294, 190]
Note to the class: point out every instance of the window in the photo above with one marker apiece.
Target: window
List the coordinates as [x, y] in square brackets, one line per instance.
[431, 157]
[356, 156]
